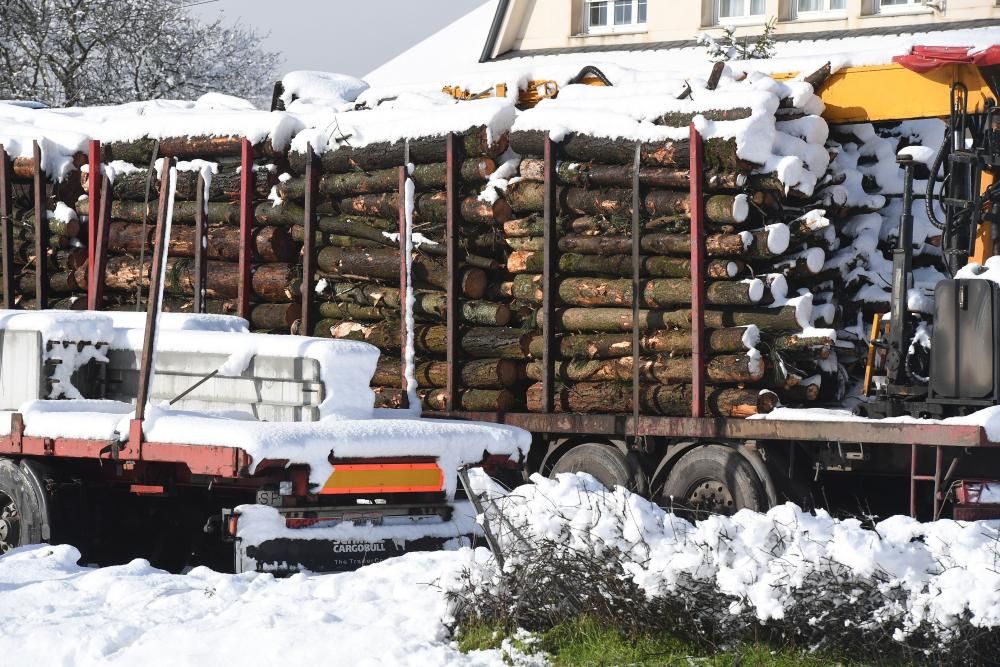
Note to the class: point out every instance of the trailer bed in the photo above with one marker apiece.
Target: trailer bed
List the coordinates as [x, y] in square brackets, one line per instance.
[867, 431]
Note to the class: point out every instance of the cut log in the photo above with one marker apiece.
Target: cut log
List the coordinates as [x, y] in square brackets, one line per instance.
[655, 399]
[436, 400]
[476, 142]
[425, 177]
[589, 175]
[140, 151]
[475, 374]
[724, 369]
[276, 283]
[478, 342]
[610, 345]
[432, 207]
[224, 186]
[655, 293]
[620, 319]
[383, 264]
[720, 154]
[621, 265]
[270, 244]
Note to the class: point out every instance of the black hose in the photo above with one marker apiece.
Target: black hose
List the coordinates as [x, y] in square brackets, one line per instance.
[593, 71]
[929, 195]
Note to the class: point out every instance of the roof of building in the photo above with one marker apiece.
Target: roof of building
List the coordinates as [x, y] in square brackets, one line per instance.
[454, 55]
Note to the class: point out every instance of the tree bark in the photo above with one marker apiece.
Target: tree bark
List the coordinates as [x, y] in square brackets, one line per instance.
[224, 186]
[655, 399]
[521, 261]
[270, 244]
[611, 345]
[276, 283]
[476, 374]
[383, 264]
[436, 400]
[432, 176]
[384, 155]
[720, 154]
[724, 369]
[140, 151]
[620, 319]
[478, 342]
[659, 293]
[590, 175]
[431, 207]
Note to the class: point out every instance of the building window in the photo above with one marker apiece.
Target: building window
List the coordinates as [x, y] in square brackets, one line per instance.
[603, 16]
[740, 9]
[819, 6]
[890, 6]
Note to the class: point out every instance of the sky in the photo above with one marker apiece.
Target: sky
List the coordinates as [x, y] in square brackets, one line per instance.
[347, 36]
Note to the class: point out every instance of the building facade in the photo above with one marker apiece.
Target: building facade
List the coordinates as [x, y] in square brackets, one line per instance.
[533, 25]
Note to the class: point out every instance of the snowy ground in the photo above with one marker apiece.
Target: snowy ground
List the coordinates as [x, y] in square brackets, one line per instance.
[55, 612]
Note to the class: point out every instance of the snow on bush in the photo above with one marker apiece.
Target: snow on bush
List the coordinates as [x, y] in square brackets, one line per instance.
[570, 547]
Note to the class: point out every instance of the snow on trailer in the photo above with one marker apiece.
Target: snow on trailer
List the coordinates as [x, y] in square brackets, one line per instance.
[289, 417]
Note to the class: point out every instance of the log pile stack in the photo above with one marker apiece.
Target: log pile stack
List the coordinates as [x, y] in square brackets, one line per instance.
[274, 298]
[766, 246]
[358, 260]
[66, 258]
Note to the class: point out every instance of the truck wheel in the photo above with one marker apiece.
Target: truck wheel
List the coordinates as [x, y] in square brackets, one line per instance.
[713, 479]
[22, 511]
[605, 463]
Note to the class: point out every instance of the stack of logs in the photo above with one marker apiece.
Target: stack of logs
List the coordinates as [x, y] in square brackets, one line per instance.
[274, 299]
[757, 256]
[358, 265]
[66, 258]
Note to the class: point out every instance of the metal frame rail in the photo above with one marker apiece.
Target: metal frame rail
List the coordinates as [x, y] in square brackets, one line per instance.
[7, 228]
[40, 187]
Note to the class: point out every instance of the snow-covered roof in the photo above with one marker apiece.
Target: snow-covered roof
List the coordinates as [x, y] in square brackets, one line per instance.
[451, 56]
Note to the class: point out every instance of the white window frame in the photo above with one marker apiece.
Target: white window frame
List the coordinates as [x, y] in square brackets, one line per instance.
[611, 28]
[909, 7]
[818, 14]
[746, 19]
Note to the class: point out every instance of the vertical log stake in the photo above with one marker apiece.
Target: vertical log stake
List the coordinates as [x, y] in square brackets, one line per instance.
[550, 262]
[404, 282]
[101, 224]
[636, 289]
[246, 229]
[453, 305]
[6, 228]
[41, 233]
[309, 242]
[698, 355]
[94, 182]
[153, 300]
[200, 246]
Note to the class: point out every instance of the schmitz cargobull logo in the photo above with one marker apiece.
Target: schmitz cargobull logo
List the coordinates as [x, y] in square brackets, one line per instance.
[358, 547]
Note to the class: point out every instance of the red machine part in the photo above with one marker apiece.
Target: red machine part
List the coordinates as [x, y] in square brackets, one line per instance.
[974, 500]
[924, 59]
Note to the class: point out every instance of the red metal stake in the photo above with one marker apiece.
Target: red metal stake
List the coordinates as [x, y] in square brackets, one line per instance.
[309, 242]
[550, 251]
[101, 224]
[697, 276]
[404, 282]
[246, 229]
[6, 229]
[94, 182]
[200, 246]
[41, 233]
[453, 304]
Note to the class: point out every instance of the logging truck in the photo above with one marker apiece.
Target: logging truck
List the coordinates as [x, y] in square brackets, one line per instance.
[498, 314]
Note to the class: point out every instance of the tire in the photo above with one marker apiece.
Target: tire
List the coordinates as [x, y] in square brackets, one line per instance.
[605, 463]
[23, 510]
[714, 479]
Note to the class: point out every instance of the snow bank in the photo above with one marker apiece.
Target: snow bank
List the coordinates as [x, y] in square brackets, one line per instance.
[932, 577]
[391, 613]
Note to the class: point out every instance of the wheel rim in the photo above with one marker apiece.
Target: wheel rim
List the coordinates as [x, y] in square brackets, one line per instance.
[10, 523]
[710, 496]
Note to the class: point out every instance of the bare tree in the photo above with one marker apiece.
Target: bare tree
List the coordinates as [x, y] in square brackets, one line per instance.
[80, 52]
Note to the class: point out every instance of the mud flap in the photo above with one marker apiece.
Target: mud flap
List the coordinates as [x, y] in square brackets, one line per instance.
[286, 555]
